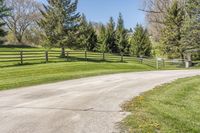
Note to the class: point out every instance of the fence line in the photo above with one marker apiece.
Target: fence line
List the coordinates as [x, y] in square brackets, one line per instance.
[38, 56]
[32, 56]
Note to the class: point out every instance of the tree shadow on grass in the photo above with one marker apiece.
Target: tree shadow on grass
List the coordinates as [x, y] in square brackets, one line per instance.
[62, 60]
[16, 46]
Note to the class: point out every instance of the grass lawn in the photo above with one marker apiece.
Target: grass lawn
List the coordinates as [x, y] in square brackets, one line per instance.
[33, 72]
[170, 108]
[20, 76]
[11, 56]
[13, 75]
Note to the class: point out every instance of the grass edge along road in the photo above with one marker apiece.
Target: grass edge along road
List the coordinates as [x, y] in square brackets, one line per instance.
[172, 107]
[22, 76]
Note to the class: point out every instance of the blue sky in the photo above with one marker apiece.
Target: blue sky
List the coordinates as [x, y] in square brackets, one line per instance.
[101, 10]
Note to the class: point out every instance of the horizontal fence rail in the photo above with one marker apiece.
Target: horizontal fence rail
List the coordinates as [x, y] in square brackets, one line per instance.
[15, 57]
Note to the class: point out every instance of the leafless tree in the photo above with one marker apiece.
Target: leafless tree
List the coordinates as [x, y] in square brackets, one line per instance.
[24, 13]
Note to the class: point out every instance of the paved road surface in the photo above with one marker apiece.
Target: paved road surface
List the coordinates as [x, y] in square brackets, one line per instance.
[88, 105]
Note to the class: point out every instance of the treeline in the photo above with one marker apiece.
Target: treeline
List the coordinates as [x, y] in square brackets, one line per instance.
[66, 28]
[114, 38]
[58, 24]
[173, 28]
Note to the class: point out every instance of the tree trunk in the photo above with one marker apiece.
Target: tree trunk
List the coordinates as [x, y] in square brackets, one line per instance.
[19, 38]
[182, 58]
[62, 51]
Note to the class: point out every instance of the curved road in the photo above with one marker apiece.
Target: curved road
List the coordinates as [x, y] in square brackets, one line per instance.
[87, 105]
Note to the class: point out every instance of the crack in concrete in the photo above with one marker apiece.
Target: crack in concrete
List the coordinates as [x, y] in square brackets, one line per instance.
[65, 109]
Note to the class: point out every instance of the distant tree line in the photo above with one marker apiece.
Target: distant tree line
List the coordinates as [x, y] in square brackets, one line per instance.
[58, 24]
[173, 27]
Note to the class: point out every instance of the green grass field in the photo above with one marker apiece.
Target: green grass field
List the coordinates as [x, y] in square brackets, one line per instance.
[171, 108]
[10, 56]
[33, 72]
[19, 76]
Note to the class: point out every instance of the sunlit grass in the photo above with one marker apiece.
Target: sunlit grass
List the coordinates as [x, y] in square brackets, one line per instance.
[171, 108]
[19, 76]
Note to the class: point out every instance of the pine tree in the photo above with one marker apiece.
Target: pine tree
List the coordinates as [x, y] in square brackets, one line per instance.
[121, 36]
[140, 42]
[60, 21]
[171, 35]
[83, 33]
[4, 12]
[92, 40]
[191, 27]
[102, 39]
[87, 38]
[112, 46]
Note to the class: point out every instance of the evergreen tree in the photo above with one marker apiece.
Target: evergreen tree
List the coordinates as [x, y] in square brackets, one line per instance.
[112, 46]
[140, 42]
[172, 35]
[83, 33]
[102, 39]
[4, 12]
[121, 36]
[191, 27]
[87, 36]
[92, 40]
[60, 22]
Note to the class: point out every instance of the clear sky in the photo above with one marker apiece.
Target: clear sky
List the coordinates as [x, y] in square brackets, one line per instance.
[101, 10]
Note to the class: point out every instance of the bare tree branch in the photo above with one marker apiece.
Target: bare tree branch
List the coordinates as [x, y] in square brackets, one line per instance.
[23, 14]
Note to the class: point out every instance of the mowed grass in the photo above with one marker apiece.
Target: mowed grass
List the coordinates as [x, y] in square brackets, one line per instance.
[170, 108]
[20, 76]
[19, 47]
[11, 56]
[33, 72]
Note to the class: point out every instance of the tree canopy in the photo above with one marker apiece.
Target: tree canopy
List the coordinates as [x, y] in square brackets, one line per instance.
[173, 27]
[140, 42]
[59, 22]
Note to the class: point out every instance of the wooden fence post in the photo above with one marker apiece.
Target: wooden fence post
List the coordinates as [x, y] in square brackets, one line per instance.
[67, 56]
[103, 56]
[122, 57]
[86, 55]
[157, 63]
[141, 60]
[21, 57]
[163, 63]
[46, 56]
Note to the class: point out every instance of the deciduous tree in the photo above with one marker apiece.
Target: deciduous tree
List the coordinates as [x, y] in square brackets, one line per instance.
[23, 14]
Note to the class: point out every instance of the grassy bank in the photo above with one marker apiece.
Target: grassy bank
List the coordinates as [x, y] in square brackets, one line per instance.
[169, 108]
[20, 76]
[13, 75]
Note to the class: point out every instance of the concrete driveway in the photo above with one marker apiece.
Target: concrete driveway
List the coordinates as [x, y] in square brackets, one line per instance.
[87, 105]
